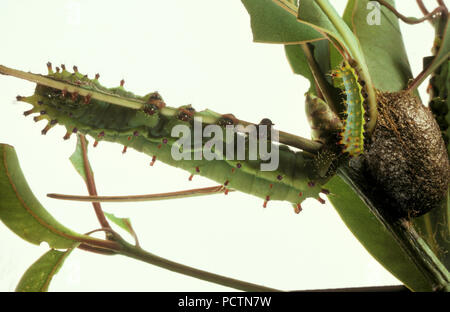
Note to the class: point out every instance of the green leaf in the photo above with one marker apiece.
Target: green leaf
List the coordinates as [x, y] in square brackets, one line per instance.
[299, 63]
[22, 212]
[324, 18]
[382, 45]
[335, 57]
[39, 275]
[316, 73]
[321, 15]
[77, 159]
[373, 236]
[274, 21]
[124, 223]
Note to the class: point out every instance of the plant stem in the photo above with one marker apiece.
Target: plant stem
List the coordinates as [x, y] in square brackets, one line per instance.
[402, 231]
[319, 79]
[293, 140]
[138, 253]
[122, 247]
[148, 197]
[90, 183]
[284, 138]
[442, 4]
[422, 7]
[70, 88]
[142, 255]
[97, 250]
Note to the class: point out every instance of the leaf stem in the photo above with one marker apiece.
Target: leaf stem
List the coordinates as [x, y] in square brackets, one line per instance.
[90, 183]
[293, 140]
[319, 78]
[422, 7]
[147, 197]
[97, 250]
[142, 255]
[442, 3]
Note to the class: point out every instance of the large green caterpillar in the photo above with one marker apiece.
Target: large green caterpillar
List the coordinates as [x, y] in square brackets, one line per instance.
[149, 130]
[324, 123]
[352, 136]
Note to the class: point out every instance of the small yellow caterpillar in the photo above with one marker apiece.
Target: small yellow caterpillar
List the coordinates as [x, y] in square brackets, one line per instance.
[352, 136]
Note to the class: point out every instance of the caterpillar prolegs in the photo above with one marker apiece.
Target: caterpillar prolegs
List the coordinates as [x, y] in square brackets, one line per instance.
[150, 130]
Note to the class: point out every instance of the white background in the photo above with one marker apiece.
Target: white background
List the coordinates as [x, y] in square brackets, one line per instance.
[196, 52]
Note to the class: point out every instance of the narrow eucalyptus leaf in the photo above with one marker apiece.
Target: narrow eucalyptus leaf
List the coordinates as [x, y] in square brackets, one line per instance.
[38, 276]
[22, 212]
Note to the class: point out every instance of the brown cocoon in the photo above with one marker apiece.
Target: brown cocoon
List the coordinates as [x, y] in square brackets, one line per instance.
[406, 155]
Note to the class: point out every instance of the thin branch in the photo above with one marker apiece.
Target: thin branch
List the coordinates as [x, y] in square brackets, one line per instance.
[422, 7]
[412, 20]
[120, 246]
[142, 255]
[284, 138]
[108, 230]
[94, 249]
[318, 77]
[90, 183]
[126, 249]
[442, 4]
[148, 197]
[416, 82]
[97, 250]
[293, 140]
